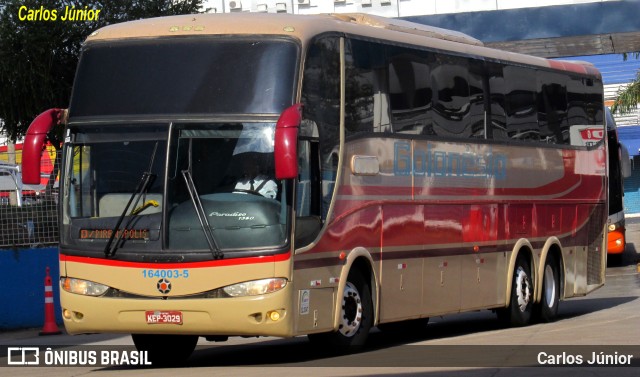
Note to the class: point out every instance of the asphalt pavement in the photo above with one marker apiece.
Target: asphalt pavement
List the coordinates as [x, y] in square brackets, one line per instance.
[622, 282]
[631, 253]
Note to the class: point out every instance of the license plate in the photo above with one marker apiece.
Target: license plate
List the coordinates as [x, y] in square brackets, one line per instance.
[172, 317]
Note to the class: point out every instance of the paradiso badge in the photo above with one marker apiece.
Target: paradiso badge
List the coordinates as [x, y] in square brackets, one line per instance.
[164, 286]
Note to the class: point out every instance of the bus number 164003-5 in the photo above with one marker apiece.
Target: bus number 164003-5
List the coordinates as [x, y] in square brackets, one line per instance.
[165, 274]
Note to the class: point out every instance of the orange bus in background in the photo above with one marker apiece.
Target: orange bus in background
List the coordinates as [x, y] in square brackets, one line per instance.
[416, 173]
[619, 168]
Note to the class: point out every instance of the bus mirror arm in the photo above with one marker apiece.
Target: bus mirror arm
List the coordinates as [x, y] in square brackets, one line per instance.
[34, 142]
[285, 147]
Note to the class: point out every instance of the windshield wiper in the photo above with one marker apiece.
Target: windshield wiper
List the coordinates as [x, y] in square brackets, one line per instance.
[202, 216]
[145, 181]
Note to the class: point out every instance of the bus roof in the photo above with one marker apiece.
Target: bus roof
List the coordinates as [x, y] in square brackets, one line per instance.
[305, 27]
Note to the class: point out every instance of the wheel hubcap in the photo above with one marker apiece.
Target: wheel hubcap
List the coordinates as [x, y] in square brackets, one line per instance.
[523, 290]
[549, 286]
[351, 311]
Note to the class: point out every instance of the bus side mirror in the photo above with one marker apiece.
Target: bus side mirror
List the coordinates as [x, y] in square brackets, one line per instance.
[285, 146]
[34, 141]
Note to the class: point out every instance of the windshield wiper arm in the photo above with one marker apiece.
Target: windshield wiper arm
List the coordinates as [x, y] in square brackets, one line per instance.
[202, 216]
[145, 181]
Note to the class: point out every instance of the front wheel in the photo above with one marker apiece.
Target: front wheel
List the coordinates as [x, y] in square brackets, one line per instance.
[166, 349]
[356, 317]
[520, 308]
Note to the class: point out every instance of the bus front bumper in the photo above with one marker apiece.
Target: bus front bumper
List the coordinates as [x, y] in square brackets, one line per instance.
[244, 316]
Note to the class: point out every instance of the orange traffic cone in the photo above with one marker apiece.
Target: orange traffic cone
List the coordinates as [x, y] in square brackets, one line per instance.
[50, 327]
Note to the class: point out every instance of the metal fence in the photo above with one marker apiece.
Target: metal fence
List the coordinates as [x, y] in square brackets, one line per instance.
[28, 214]
[30, 225]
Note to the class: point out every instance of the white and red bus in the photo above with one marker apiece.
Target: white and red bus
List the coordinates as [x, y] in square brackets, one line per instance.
[416, 173]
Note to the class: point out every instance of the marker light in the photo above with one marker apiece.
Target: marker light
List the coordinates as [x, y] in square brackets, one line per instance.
[82, 287]
[255, 287]
[274, 316]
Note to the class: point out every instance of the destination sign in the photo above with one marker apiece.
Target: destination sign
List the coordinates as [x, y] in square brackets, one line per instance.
[125, 234]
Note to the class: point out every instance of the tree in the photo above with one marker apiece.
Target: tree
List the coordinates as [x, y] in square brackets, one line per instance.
[628, 97]
[38, 58]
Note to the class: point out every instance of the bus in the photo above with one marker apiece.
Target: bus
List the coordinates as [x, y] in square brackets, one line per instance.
[619, 168]
[418, 174]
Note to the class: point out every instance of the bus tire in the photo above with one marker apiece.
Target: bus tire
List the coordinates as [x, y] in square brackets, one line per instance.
[356, 317]
[166, 349]
[520, 308]
[547, 309]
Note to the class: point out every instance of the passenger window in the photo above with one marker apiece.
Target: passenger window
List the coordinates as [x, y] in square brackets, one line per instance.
[366, 106]
[552, 108]
[522, 114]
[409, 90]
[449, 80]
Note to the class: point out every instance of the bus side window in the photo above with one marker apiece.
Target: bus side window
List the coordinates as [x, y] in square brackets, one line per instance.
[365, 82]
[576, 103]
[450, 85]
[497, 98]
[319, 137]
[308, 185]
[521, 101]
[308, 195]
[409, 91]
[552, 108]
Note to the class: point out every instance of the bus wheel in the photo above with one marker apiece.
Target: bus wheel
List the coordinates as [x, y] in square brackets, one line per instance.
[166, 349]
[356, 317]
[518, 313]
[547, 309]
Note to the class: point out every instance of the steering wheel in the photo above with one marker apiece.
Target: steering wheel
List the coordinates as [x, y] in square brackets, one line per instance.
[246, 191]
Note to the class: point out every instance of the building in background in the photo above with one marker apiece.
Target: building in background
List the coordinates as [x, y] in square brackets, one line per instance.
[595, 31]
[387, 8]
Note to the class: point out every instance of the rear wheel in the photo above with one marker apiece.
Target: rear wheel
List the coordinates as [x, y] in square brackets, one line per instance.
[166, 349]
[356, 317]
[547, 309]
[520, 308]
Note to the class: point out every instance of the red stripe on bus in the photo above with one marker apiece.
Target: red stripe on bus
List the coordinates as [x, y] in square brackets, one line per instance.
[212, 263]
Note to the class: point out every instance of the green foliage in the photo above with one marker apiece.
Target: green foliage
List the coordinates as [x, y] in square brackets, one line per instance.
[38, 58]
[629, 96]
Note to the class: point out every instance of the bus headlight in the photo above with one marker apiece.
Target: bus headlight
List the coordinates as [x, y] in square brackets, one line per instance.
[83, 287]
[255, 287]
[612, 227]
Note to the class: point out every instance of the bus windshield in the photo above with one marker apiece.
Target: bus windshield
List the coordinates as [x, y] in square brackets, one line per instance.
[182, 76]
[220, 182]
